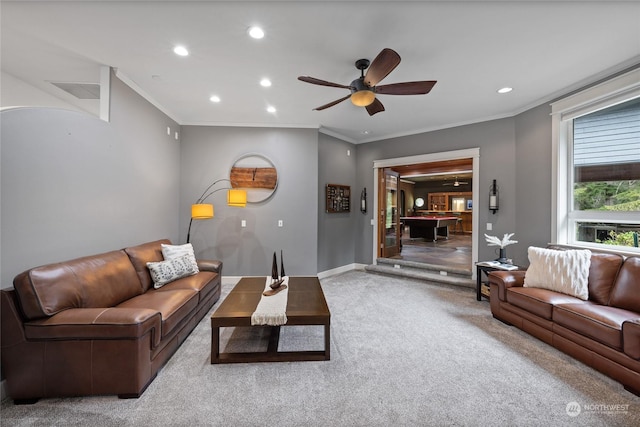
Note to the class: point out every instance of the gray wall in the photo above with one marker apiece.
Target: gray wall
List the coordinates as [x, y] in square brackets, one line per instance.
[208, 153]
[73, 185]
[497, 142]
[533, 180]
[337, 231]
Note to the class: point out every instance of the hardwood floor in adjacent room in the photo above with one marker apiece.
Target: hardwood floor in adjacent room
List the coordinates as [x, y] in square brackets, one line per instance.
[453, 252]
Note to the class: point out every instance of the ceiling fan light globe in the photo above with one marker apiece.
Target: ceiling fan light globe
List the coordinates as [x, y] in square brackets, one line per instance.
[362, 98]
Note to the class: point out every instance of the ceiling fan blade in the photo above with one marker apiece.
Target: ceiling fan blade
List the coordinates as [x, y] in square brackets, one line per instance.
[406, 88]
[375, 107]
[315, 81]
[380, 68]
[331, 104]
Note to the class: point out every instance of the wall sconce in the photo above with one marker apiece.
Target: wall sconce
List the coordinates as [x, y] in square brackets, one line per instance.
[201, 210]
[363, 201]
[493, 197]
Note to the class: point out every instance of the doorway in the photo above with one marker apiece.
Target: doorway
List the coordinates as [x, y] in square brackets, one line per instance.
[444, 197]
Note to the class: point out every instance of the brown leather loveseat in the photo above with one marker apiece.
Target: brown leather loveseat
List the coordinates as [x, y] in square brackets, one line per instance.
[96, 325]
[602, 331]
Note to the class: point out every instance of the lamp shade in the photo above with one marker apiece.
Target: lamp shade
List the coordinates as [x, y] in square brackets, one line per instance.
[237, 198]
[202, 211]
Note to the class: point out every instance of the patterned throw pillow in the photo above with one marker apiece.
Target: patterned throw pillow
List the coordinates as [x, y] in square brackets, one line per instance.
[177, 251]
[164, 272]
[561, 271]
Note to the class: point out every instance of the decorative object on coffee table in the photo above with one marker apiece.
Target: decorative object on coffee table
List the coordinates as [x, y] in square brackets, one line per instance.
[277, 280]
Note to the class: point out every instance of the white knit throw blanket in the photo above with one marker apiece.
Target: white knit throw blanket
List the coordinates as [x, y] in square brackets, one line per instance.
[271, 310]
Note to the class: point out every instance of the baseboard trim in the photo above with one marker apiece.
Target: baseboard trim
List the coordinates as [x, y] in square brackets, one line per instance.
[340, 270]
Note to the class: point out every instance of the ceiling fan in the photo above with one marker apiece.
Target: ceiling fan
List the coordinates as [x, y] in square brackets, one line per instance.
[364, 89]
[455, 183]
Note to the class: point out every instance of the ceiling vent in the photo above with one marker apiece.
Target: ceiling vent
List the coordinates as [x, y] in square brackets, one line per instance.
[80, 90]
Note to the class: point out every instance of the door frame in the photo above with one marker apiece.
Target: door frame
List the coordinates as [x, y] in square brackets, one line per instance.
[470, 153]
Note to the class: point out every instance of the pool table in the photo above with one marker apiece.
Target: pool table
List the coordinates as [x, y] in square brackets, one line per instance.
[429, 227]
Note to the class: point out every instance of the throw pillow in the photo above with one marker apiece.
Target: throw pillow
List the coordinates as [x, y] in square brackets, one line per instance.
[177, 251]
[566, 272]
[164, 272]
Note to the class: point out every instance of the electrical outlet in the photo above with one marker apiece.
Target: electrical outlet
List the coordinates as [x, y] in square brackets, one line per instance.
[489, 226]
[280, 223]
[243, 223]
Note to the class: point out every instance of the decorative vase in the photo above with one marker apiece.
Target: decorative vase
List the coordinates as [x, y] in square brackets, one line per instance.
[503, 256]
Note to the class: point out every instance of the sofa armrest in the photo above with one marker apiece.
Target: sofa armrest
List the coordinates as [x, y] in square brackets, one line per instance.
[506, 279]
[97, 324]
[631, 338]
[210, 265]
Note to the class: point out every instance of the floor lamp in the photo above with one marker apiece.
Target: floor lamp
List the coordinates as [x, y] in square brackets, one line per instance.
[201, 210]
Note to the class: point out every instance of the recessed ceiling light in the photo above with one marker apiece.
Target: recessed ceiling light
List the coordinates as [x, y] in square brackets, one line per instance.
[505, 90]
[271, 109]
[214, 98]
[265, 82]
[180, 50]
[365, 132]
[256, 32]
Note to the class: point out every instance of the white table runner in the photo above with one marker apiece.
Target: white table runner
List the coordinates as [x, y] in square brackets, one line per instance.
[272, 310]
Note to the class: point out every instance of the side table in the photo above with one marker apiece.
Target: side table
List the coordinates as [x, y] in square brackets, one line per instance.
[485, 269]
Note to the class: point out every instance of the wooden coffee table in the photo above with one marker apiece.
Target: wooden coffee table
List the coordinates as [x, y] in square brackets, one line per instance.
[306, 305]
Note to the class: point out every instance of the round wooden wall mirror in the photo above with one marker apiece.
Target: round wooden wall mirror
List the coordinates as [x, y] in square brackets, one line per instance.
[257, 175]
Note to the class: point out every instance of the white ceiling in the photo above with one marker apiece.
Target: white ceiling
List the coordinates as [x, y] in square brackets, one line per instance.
[541, 49]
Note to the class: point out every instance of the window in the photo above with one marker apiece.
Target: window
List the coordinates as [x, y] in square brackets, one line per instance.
[597, 164]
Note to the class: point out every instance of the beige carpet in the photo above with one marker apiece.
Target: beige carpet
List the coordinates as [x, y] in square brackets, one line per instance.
[404, 353]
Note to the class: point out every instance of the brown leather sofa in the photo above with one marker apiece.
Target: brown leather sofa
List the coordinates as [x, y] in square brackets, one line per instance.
[602, 332]
[96, 325]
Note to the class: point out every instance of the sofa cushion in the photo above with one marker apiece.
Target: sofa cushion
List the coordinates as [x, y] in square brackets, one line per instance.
[598, 322]
[538, 301]
[96, 323]
[203, 282]
[602, 275]
[95, 281]
[140, 255]
[626, 290]
[164, 272]
[561, 271]
[174, 306]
